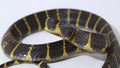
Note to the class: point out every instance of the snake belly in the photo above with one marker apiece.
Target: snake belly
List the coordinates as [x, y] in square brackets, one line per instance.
[13, 48]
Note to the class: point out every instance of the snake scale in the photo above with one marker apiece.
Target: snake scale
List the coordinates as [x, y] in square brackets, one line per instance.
[65, 23]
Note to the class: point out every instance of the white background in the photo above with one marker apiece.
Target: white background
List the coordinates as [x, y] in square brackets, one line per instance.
[12, 10]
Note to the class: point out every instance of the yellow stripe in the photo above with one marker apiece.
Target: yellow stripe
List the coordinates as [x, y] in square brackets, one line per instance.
[78, 50]
[103, 28]
[107, 42]
[5, 44]
[68, 15]
[12, 53]
[5, 65]
[113, 40]
[48, 53]
[96, 24]
[20, 33]
[116, 60]
[73, 33]
[28, 57]
[58, 15]
[56, 31]
[6, 35]
[73, 40]
[103, 50]
[38, 22]
[28, 26]
[64, 49]
[87, 22]
[109, 66]
[16, 62]
[40, 63]
[109, 32]
[88, 45]
[47, 14]
[78, 18]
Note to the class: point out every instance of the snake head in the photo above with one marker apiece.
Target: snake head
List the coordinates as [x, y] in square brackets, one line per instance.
[52, 26]
[67, 30]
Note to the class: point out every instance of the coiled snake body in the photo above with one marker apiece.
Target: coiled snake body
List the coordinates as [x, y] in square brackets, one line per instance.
[100, 38]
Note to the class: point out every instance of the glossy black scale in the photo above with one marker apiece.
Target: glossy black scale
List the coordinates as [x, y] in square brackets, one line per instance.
[93, 21]
[41, 51]
[83, 18]
[73, 16]
[22, 27]
[96, 44]
[56, 50]
[32, 22]
[42, 18]
[63, 15]
[81, 38]
[52, 14]
[9, 48]
[100, 25]
[22, 51]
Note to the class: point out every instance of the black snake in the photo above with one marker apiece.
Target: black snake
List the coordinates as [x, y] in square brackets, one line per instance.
[99, 39]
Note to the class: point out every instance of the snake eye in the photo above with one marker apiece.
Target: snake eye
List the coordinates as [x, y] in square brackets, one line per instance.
[67, 31]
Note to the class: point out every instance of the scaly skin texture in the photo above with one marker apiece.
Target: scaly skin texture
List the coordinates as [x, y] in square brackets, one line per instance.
[87, 21]
[89, 41]
[59, 50]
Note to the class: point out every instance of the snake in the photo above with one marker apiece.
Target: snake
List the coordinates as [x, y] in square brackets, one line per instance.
[96, 36]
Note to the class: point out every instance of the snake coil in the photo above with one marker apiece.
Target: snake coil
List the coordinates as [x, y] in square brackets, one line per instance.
[96, 36]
